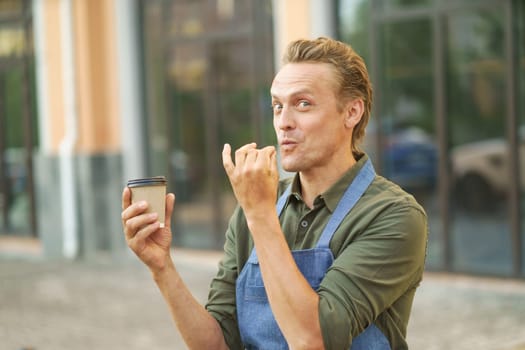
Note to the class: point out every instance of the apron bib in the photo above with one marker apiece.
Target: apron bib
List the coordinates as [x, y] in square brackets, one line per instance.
[257, 325]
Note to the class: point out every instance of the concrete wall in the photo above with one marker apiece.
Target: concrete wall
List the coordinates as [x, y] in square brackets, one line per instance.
[98, 188]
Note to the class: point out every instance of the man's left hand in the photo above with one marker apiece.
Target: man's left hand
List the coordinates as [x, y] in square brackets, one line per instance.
[254, 177]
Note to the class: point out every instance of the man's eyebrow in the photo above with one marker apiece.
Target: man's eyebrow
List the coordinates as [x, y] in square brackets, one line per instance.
[293, 93]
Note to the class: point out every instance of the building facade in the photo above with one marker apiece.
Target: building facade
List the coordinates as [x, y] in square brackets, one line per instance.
[448, 120]
[93, 93]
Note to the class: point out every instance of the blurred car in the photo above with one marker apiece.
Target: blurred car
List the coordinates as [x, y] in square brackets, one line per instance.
[481, 172]
[410, 159]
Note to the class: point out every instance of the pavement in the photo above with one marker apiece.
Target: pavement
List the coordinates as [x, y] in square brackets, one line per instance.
[110, 302]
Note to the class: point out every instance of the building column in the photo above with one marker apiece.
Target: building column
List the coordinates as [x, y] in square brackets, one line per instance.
[301, 19]
[79, 161]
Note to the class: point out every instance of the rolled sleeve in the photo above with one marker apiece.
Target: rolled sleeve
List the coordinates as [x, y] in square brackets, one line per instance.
[221, 302]
[379, 267]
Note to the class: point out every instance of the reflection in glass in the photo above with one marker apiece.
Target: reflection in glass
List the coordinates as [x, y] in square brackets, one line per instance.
[409, 151]
[208, 64]
[354, 18]
[12, 42]
[11, 7]
[471, 94]
[15, 206]
[479, 154]
[403, 4]
[16, 120]
[521, 122]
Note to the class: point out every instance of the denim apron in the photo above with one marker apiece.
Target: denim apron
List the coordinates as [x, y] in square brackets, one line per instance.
[257, 325]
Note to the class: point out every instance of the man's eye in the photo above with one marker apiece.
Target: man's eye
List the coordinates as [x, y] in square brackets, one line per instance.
[303, 104]
[277, 107]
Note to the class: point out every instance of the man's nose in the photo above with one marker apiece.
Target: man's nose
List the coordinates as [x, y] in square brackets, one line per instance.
[286, 119]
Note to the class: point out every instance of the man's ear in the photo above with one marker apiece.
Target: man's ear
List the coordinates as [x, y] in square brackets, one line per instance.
[354, 111]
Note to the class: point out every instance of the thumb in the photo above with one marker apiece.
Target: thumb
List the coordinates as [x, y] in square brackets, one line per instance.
[273, 162]
[227, 161]
[170, 204]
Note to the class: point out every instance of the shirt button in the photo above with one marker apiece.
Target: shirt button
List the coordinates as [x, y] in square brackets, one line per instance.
[304, 223]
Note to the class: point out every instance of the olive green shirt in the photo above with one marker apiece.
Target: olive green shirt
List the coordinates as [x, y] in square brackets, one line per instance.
[379, 251]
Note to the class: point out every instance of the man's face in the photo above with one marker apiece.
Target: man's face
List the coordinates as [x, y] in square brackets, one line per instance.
[310, 129]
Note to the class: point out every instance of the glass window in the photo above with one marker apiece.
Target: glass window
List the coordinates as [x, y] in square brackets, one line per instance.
[11, 7]
[473, 233]
[16, 122]
[403, 4]
[520, 40]
[13, 177]
[401, 134]
[354, 19]
[209, 65]
[479, 152]
[409, 152]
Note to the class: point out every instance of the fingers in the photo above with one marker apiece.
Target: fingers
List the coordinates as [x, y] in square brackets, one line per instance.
[246, 153]
[140, 233]
[249, 155]
[133, 222]
[128, 209]
[273, 162]
[170, 204]
[227, 162]
[250, 158]
[267, 160]
[133, 216]
[126, 198]
[268, 156]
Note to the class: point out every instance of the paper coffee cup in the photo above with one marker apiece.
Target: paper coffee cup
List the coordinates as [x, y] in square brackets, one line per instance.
[151, 190]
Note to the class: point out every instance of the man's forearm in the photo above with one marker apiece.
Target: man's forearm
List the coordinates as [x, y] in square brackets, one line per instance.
[294, 303]
[198, 328]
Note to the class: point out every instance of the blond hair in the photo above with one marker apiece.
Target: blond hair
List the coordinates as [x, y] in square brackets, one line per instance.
[351, 74]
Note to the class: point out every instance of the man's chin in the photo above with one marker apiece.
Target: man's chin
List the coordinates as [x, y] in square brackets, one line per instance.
[289, 167]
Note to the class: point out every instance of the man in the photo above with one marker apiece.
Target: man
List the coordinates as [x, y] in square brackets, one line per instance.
[336, 265]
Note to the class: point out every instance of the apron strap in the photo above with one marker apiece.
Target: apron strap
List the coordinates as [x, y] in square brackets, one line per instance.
[352, 194]
[282, 200]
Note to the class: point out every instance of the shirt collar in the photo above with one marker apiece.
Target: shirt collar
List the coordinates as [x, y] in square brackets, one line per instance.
[332, 196]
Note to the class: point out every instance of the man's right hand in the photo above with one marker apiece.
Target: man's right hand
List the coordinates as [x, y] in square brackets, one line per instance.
[150, 242]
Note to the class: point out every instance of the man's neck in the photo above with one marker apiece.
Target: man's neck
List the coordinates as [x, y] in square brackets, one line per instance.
[317, 180]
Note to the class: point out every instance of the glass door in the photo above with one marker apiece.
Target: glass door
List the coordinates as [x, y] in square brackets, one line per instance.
[479, 153]
[520, 39]
[405, 119]
[208, 65]
[17, 204]
[442, 124]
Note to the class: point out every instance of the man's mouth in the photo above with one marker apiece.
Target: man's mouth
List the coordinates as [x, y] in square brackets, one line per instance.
[287, 145]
